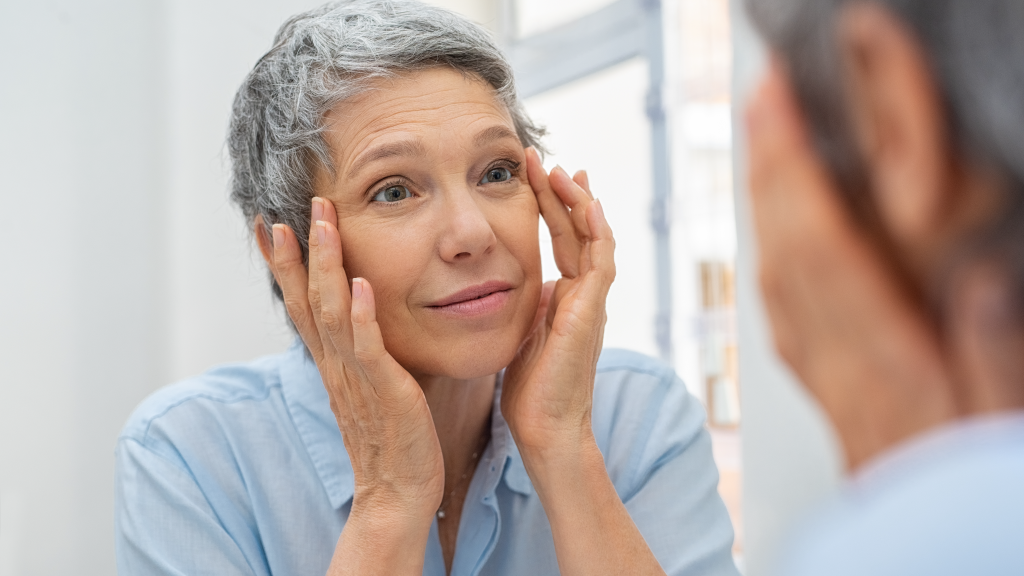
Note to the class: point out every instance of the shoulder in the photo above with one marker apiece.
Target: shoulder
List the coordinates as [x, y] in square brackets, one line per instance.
[631, 387]
[957, 512]
[643, 416]
[202, 397]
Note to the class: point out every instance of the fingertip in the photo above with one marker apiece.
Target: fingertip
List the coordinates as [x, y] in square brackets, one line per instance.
[363, 310]
[583, 179]
[277, 233]
[316, 211]
[321, 231]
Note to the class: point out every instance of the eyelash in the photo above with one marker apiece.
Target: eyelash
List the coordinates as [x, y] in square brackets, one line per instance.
[512, 166]
[387, 184]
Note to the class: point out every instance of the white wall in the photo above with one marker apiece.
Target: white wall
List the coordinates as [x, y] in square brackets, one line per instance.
[790, 458]
[124, 267]
[81, 227]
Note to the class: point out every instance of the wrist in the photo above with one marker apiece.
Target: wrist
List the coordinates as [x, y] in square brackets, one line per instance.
[394, 508]
[563, 461]
[549, 440]
[378, 542]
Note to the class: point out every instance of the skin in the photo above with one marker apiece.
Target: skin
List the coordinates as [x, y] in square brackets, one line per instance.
[886, 365]
[412, 387]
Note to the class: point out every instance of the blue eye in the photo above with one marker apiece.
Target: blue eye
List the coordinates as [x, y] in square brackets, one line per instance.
[392, 193]
[497, 175]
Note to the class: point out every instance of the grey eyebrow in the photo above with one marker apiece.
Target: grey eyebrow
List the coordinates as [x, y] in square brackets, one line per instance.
[390, 150]
[495, 133]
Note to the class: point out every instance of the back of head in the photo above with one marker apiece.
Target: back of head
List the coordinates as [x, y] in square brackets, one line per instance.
[976, 54]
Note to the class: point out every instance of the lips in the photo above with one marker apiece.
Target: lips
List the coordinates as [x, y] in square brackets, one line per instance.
[485, 291]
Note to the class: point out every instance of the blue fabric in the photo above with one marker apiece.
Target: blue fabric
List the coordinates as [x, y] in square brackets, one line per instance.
[242, 470]
[949, 503]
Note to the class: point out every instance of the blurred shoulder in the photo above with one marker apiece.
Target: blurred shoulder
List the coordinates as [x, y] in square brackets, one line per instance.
[945, 503]
[178, 405]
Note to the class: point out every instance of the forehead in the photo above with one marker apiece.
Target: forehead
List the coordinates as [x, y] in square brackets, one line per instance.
[433, 102]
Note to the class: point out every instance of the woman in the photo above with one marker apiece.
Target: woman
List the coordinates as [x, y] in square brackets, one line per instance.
[443, 413]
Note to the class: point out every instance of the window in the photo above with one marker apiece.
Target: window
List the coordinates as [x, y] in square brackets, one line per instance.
[637, 92]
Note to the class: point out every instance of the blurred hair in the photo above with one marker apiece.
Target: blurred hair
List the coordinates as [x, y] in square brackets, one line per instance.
[319, 59]
[975, 49]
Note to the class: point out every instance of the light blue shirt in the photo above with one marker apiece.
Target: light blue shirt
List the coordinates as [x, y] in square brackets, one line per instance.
[948, 503]
[242, 470]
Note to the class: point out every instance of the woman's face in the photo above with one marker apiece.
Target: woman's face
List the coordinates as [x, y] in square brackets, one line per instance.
[435, 211]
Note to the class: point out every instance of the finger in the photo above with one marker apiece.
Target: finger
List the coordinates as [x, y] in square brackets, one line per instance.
[601, 246]
[563, 236]
[581, 178]
[575, 198]
[335, 299]
[546, 291]
[780, 154]
[367, 342]
[316, 214]
[590, 296]
[291, 275]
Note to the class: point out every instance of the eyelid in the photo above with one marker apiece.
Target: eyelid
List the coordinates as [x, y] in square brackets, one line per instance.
[513, 166]
[387, 183]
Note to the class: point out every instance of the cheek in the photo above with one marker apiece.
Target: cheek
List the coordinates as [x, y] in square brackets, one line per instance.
[391, 259]
[517, 226]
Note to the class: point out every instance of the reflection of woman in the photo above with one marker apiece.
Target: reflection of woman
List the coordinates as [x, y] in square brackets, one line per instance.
[382, 142]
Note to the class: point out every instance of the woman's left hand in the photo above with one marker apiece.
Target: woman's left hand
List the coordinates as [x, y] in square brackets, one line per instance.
[548, 388]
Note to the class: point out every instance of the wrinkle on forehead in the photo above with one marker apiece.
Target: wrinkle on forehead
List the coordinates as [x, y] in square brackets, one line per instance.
[407, 105]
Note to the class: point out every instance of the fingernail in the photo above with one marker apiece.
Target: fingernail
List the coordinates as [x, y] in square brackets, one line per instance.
[317, 212]
[560, 169]
[600, 208]
[357, 288]
[278, 232]
[321, 231]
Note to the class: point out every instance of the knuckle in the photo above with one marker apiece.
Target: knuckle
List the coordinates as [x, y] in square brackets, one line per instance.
[295, 306]
[332, 319]
[367, 357]
[314, 297]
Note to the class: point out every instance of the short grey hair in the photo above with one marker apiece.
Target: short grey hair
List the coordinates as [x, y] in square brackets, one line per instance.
[321, 58]
[976, 52]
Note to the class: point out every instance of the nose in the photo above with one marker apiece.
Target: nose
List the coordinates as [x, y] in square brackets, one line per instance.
[467, 233]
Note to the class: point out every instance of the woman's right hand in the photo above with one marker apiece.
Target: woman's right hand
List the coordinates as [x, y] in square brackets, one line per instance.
[380, 408]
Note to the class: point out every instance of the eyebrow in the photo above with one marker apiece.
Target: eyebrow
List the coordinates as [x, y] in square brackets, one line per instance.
[415, 148]
[390, 150]
[495, 133]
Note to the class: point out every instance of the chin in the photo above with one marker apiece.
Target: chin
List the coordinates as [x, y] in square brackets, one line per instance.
[464, 360]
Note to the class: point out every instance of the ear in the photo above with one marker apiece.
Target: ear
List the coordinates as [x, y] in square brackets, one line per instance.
[263, 240]
[898, 120]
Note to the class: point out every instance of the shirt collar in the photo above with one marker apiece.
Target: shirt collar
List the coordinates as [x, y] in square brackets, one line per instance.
[310, 409]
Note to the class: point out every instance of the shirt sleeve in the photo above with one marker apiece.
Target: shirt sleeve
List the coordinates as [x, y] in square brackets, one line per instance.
[660, 460]
[165, 524]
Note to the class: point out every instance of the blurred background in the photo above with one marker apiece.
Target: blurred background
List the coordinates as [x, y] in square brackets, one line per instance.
[126, 268]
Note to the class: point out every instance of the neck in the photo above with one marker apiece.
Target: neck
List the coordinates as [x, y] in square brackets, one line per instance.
[462, 413]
